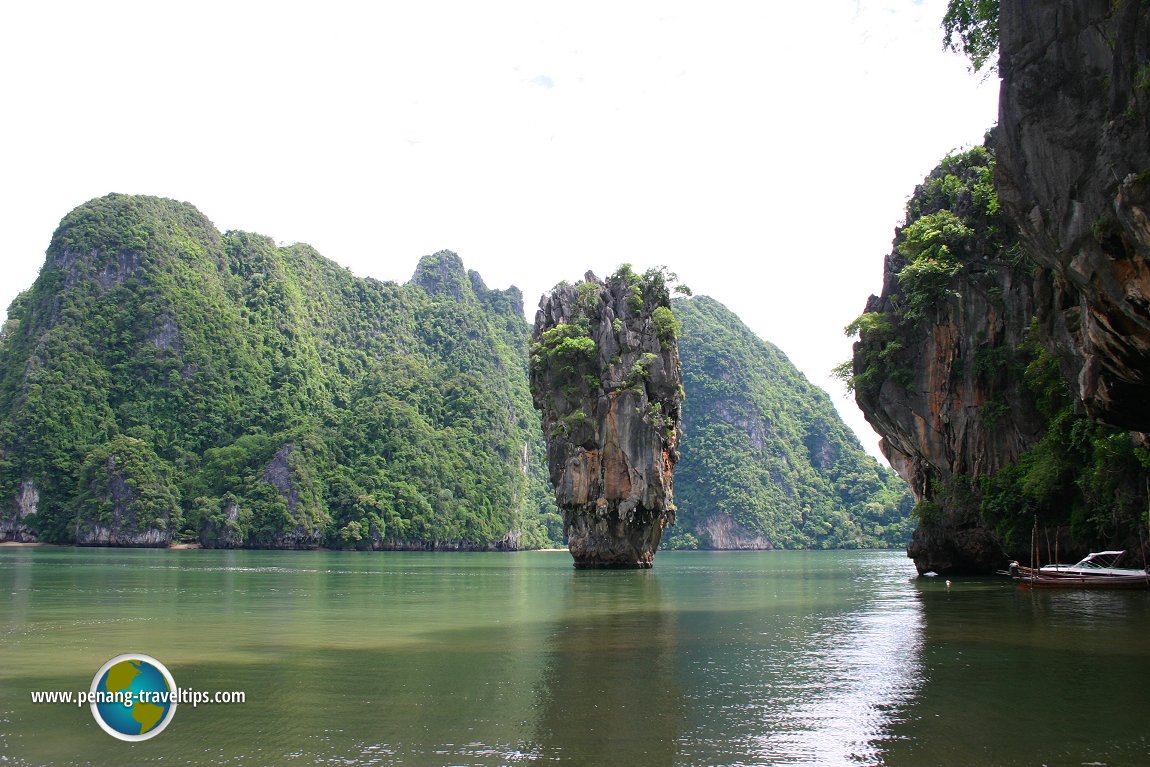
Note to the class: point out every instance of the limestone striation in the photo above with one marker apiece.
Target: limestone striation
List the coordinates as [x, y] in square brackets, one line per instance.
[14, 521]
[1074, 177]
[606, 376]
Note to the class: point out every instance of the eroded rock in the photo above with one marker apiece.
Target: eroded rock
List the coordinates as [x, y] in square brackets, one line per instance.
[605, 375]
[14, 525]
[944, 386]
[1074, 177]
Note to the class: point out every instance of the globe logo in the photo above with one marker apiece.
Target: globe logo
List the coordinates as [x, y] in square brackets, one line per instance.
[133, 697]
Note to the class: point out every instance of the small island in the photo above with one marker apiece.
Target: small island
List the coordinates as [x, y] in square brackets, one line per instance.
[606, 376]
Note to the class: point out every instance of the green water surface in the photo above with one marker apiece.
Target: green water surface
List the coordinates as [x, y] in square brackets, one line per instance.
[772, 658]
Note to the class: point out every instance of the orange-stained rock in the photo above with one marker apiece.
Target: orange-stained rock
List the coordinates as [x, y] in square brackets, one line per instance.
[940, 372]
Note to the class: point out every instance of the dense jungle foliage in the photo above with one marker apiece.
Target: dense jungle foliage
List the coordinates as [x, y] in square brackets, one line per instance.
[220, 372]
[765, 447]
[1085, 478]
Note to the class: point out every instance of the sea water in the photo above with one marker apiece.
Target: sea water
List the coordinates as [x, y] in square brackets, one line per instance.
[739, 658]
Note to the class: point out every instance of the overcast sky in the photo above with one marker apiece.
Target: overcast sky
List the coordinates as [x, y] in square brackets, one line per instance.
[763, 151]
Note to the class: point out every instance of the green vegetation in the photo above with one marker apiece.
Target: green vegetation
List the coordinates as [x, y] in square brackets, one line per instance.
[952, 221]
[162, 376]
[567, 346]
[877, 355]
[652, 288]
[970, 27]
[1142, 78]
[1086, 480]
[218, 372]
[766, 448]
[679, 541]
[147, 494]
[929, 247]
[1081, 476]
[667, 326]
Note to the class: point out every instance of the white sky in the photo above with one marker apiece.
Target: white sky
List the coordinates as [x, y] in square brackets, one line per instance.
[763, 151]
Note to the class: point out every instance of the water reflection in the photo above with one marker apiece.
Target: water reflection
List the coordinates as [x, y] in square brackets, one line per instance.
[840, 695]
[1016, 677]
[764, 658]
[815, 668]
[609, 693]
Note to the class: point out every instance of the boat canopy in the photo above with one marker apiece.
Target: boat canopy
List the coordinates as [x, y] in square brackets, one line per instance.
[1101, 559]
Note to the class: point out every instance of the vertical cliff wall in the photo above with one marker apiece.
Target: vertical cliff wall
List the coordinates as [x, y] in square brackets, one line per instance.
[938, 369]
[605, 374]
[997, 372]
[1074, 177]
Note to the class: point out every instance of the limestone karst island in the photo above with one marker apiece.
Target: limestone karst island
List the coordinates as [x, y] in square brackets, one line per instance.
[606, 376]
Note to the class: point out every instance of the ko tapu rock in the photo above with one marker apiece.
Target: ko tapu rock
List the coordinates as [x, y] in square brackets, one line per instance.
[606, 376]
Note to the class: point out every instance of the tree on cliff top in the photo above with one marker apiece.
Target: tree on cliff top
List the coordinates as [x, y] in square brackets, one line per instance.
[971, 28]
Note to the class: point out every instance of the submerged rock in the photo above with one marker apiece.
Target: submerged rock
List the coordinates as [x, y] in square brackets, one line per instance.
[605, 375]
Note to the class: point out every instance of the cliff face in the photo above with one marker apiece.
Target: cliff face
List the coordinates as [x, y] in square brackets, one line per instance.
[606, 376]
[938, 371]
[996, 384]
[14, 522]
[1074, 177]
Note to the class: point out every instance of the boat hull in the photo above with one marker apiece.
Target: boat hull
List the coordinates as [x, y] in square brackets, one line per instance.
[1068, 581]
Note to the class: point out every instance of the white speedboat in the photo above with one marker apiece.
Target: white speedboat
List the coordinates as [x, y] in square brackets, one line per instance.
[1099, 564]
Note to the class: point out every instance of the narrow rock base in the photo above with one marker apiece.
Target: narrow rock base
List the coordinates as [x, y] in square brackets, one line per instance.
[598, 564]
[608, 542]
